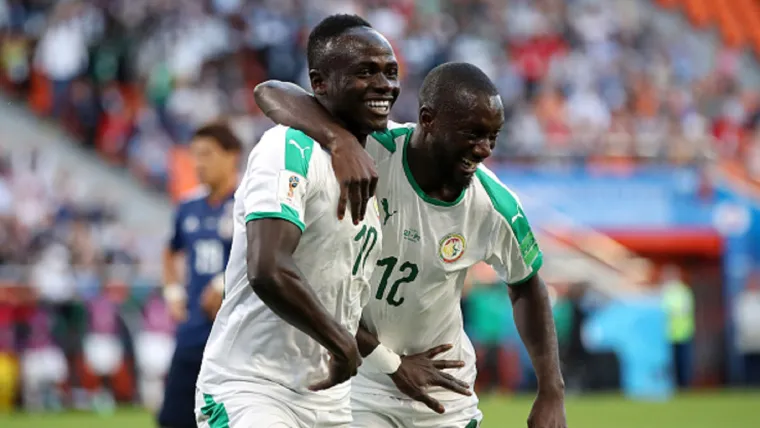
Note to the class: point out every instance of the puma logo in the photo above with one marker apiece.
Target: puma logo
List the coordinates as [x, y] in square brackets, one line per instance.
[518, 215]
[298, 146]
[386, 208]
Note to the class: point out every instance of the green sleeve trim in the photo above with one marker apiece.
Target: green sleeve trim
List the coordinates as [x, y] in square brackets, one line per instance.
[534, 270]
[387, 138]
[287, 213]
[506, 204]
[298, 151]
[216, 412]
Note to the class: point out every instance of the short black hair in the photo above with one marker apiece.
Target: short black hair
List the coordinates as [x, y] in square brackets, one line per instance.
[222, 134]
[330, 27]
[445, 83]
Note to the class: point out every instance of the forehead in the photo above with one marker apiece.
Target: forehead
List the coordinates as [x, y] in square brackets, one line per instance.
[205, 143]
[361, 45]
[477, 111]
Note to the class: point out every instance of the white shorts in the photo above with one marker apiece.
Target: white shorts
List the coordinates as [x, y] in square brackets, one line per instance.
[44, 366]
[252, 410]
[383, 411]
[103, 353]
[154, 353]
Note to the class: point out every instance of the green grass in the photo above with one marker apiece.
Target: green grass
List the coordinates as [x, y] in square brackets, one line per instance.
[699, 410]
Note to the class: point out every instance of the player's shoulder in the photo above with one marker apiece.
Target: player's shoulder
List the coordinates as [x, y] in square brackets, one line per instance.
[496, 195]
[278, 137]
[286, 147]
[192, 198]
[394, 135]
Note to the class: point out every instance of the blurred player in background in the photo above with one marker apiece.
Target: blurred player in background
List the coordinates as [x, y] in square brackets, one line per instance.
[154, 346]
[298, 277]
[103, 349]
[8, 363]
[44, 367]
[203, 235]
[443, 212]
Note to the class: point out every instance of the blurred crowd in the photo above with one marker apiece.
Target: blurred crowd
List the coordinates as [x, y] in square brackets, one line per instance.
[582, 79]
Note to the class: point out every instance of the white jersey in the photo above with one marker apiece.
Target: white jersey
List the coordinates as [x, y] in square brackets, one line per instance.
[428, 247]
[250, 348]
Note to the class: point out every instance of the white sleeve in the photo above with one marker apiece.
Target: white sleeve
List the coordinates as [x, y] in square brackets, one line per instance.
[276, 183]
[515, 255]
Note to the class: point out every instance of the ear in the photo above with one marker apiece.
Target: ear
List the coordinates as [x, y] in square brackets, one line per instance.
[318, 82]
[426, 117]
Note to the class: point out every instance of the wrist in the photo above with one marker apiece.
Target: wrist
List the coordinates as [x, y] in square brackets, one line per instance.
[383, 360]
[552, 389]
[342, 345]
[217, 283]
[174, 293]
[337, 138]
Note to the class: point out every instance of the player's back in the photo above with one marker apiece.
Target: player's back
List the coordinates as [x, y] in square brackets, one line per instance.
[290, 178]
[428, 247]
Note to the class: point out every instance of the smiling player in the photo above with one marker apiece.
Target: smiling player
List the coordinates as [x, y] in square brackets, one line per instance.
[283, 347]
[443, 212]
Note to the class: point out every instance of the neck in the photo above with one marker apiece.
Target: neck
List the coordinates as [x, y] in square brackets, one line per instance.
[344, 125]
[432, 181]
[222, 190]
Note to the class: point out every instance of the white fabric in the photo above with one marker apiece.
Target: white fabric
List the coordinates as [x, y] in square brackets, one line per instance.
[250, 346]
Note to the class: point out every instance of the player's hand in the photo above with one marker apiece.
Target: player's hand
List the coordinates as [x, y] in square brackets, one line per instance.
[548, 411]
[177, 310]
[420, 371]
[342, 369]
[355, 171]
[211, 301]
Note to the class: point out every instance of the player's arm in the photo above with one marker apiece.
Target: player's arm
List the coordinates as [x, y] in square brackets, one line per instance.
[518, 260]
[173, 290]
[412, 374]
[275, 192]
[276, 279]
[290, 105]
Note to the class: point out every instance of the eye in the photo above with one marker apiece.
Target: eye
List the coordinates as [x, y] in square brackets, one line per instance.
[392, 73]
[364, 72]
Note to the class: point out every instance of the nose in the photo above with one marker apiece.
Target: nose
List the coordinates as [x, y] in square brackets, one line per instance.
[482, 150]
[383, 85]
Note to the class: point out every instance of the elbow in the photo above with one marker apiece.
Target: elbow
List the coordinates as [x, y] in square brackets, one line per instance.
[266, 277]
[263, 280]
[262, 94]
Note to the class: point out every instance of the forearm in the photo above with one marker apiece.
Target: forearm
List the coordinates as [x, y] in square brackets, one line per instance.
[288, 295]
[366, 341]
[170, 275]
[288, 104]
[535, 323]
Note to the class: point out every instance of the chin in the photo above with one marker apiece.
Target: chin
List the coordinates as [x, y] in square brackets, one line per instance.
[377, 125]
[462, 180]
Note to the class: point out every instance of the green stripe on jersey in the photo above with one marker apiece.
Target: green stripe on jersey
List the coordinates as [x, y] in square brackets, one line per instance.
[287, 213]
[216, 412]
[298, 150]
[388, 137]
[507, 205]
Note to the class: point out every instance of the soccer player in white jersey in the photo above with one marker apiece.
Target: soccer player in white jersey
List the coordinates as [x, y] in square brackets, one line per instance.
[442, 212]
[282, 346]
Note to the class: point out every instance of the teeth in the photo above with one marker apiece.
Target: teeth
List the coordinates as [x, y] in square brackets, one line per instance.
[468, 163]
[379, 106]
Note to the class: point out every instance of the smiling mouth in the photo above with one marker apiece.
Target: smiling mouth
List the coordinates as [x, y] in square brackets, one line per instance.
[469, 166]
[379, 107]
